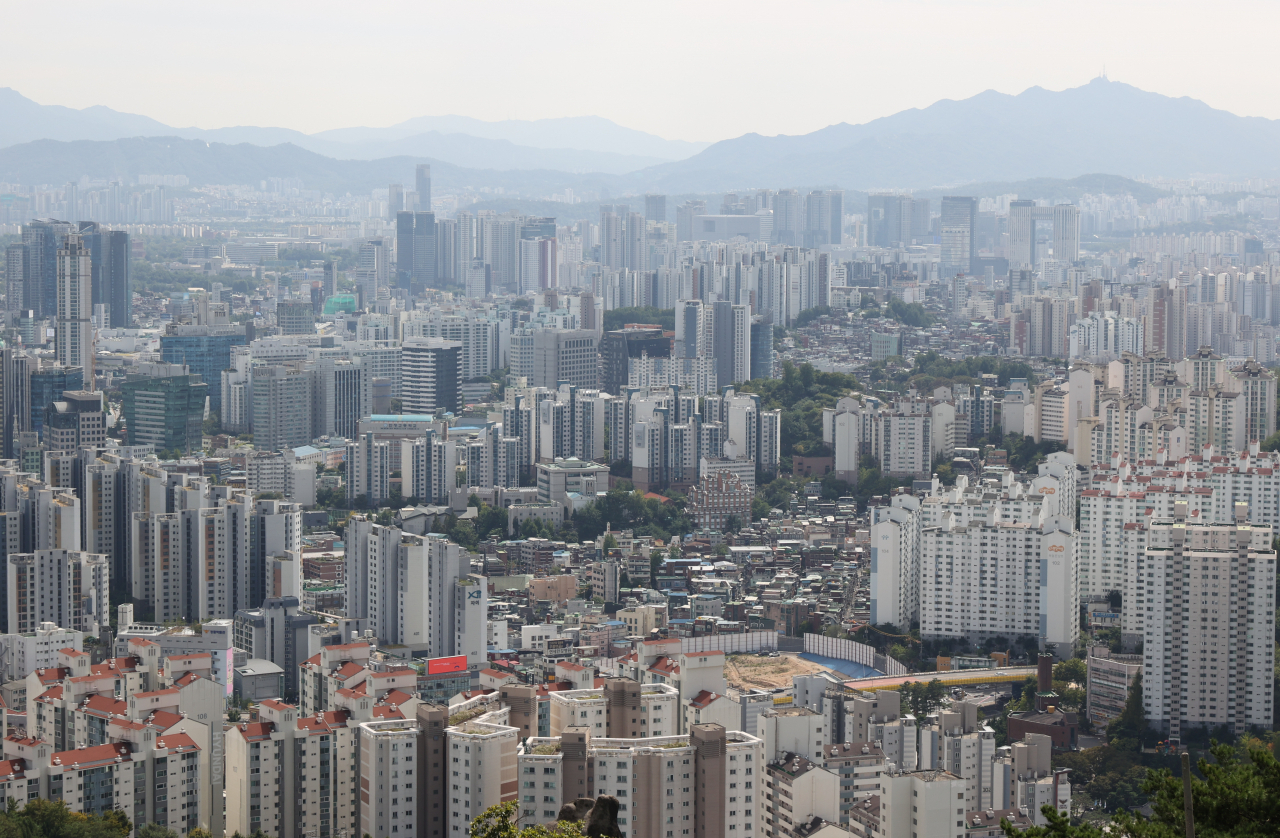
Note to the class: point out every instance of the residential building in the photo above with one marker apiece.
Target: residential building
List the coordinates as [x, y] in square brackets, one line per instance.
[799, 790]
[1210, 665]
[717, 498]
[1110, 680]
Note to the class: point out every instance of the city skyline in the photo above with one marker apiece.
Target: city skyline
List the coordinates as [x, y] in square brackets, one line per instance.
[1008, 53]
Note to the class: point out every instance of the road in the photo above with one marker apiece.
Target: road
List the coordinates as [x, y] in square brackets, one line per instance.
[957, 678]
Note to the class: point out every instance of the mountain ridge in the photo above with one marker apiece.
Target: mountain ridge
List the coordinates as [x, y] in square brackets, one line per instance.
[602, 144]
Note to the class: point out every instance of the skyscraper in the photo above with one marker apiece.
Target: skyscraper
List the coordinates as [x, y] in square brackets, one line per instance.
[424, 187]
[424, 251]
[959, 228]
[889, 220]
[42, 238]
[788, 217]
[75, 295]
[613, 252]
[655, 208]
[685, 214]
[431, 375]
[112, 287]
[404, 249]
[395, 200]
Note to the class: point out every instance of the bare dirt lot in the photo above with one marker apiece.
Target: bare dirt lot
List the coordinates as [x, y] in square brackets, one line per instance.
[748, 671]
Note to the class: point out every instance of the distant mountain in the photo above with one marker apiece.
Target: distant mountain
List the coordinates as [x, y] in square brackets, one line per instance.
[577, 144]
[53, 162]
[1102, 126]
[589, 133]
[22, 120]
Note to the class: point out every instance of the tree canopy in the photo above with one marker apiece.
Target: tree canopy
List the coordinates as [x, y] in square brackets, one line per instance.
[1234, 796]
[52, 819]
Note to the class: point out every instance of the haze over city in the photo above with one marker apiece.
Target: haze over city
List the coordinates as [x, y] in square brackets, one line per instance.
[818, 420]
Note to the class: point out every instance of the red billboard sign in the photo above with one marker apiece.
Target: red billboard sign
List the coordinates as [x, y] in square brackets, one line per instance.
[457, 663]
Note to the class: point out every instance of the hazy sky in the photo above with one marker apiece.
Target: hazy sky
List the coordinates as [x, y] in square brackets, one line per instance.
[683, 70]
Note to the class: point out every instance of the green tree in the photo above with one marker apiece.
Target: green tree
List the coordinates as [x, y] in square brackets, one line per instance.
[212, 424]
[1059, 827]
[732, 524]
[155, 830]
[500, 822]
[610, 543]
[1132, 721]
[923, 698]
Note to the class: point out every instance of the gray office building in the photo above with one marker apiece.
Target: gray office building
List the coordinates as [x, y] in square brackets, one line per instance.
[424, 187]
[959, 235]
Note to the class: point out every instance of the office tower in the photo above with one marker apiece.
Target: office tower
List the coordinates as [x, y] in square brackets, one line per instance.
[74, 333]
[68, 588]
[788, 217]
[549, 356]
[959, 225]
[372, 270]
[431, 375]
[655, 208]
[281, 407]
[424, 252]
[404, 249]
[74, 421]
[343, 396]
[921, 222]
[41, 239]
[165, 410]
[1207, 651]
[112, 285]
[685, 215]
[295, 317]
[423, 180]
[819, 218]
[618, 347]
[44, 386]
[329, 282]
[889, 220]
[1024, 216]
[205, 350]
[447, 251]
[395, 201]
[15, 275]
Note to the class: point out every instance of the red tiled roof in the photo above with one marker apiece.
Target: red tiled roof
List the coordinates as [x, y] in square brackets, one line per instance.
[82, 758]
[177, 742]
[256, 731]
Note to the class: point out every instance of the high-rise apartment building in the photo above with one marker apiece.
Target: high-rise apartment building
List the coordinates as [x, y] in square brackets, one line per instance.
[1208, 652]
[75, 339]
